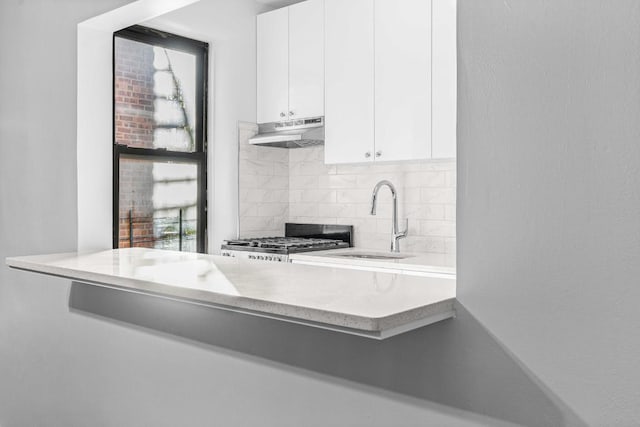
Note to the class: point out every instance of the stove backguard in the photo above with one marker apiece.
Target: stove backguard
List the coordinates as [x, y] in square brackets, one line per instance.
[320, 231]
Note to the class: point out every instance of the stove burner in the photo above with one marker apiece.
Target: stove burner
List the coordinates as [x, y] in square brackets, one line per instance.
[285, 244]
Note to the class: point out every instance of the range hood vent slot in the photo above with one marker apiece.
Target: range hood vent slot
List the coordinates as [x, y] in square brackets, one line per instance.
[291, 134]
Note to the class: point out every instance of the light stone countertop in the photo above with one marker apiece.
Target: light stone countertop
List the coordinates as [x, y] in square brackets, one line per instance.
[410, 262]
[366, 303]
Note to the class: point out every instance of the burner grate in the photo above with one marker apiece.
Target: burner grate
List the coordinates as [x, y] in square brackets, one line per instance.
[286, 243]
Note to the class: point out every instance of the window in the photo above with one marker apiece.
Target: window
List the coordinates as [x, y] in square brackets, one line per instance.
[159, 151]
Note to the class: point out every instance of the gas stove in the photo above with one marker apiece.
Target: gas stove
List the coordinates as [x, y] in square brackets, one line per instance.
[298, 238]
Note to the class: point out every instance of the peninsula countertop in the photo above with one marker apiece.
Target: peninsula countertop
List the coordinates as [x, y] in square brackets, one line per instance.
[372, 304]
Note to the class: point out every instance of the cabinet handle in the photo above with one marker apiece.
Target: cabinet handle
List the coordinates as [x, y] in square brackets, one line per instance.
[367, 154]
[378, 153]
[282, 114]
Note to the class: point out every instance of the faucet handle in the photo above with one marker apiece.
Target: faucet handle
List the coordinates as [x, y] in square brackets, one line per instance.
[405, 230]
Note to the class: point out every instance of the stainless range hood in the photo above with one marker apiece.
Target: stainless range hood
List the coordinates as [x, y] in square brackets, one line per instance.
[291, 134]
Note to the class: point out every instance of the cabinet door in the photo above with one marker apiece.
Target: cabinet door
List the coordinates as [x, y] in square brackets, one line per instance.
[306, 59]
[349, 59]
[444, 79]
[402, 79]
[273, 65]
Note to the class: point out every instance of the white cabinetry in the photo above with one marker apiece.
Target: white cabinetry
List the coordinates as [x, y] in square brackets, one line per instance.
[389, 66]
[306, 59]
[444, 86]
[403, 79]
[290, 61]
[273, 65]
[349, 80]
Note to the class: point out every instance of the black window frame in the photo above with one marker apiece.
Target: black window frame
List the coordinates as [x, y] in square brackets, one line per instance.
[201, 52]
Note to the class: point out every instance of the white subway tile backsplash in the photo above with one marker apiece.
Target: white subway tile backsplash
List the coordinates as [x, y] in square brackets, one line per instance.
[304, 209]
[249, 181]
[370, 180]
[425, 179]
[312, 196]
[337, 181]
[451, 179]
[424, 211]
[360, 225]
[353, 196]
[273, 210]
[257, 224]
[450, 246]
[410, 195]
[309, 154]
[273, 154]
[450, 212]
[438, 195]
[352, 169]
[248, 209]
[437, 228]
[336, 210]
[304, 182]
[256, 195]
[278, 186]
[257, 167]
[274, 182]
[264, 186]
[281, 168]
[310, 168]
[376, 242]
[424, 244]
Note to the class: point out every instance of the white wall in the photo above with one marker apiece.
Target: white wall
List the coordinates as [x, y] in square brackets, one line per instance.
[94, 115]
[548, 235]
[229, 28]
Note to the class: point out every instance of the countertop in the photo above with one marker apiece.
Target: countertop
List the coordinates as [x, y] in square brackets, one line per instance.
[411, 262]
[366, 303]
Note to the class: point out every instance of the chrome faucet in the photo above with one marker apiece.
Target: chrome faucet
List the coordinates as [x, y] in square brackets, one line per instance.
[395, 234]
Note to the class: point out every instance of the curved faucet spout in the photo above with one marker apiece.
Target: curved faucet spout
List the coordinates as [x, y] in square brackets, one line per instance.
[396, 235]
[374, 195]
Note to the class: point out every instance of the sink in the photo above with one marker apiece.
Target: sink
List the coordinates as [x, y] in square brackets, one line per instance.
[372, 255]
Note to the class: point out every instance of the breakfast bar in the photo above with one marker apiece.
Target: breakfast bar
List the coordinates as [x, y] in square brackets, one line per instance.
[366, 303]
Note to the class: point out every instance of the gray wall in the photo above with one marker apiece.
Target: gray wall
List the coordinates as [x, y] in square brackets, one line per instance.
[549, 193]
[548, 229]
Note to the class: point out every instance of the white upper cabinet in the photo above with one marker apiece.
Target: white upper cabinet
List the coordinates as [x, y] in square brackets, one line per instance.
[349, 81]
[444, 96]
[306, 59]
[291, 62]
[403, 79]
[273, 65]
[390, 80]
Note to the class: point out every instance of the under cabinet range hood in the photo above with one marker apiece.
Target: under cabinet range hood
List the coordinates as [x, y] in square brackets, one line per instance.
[291, 134]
